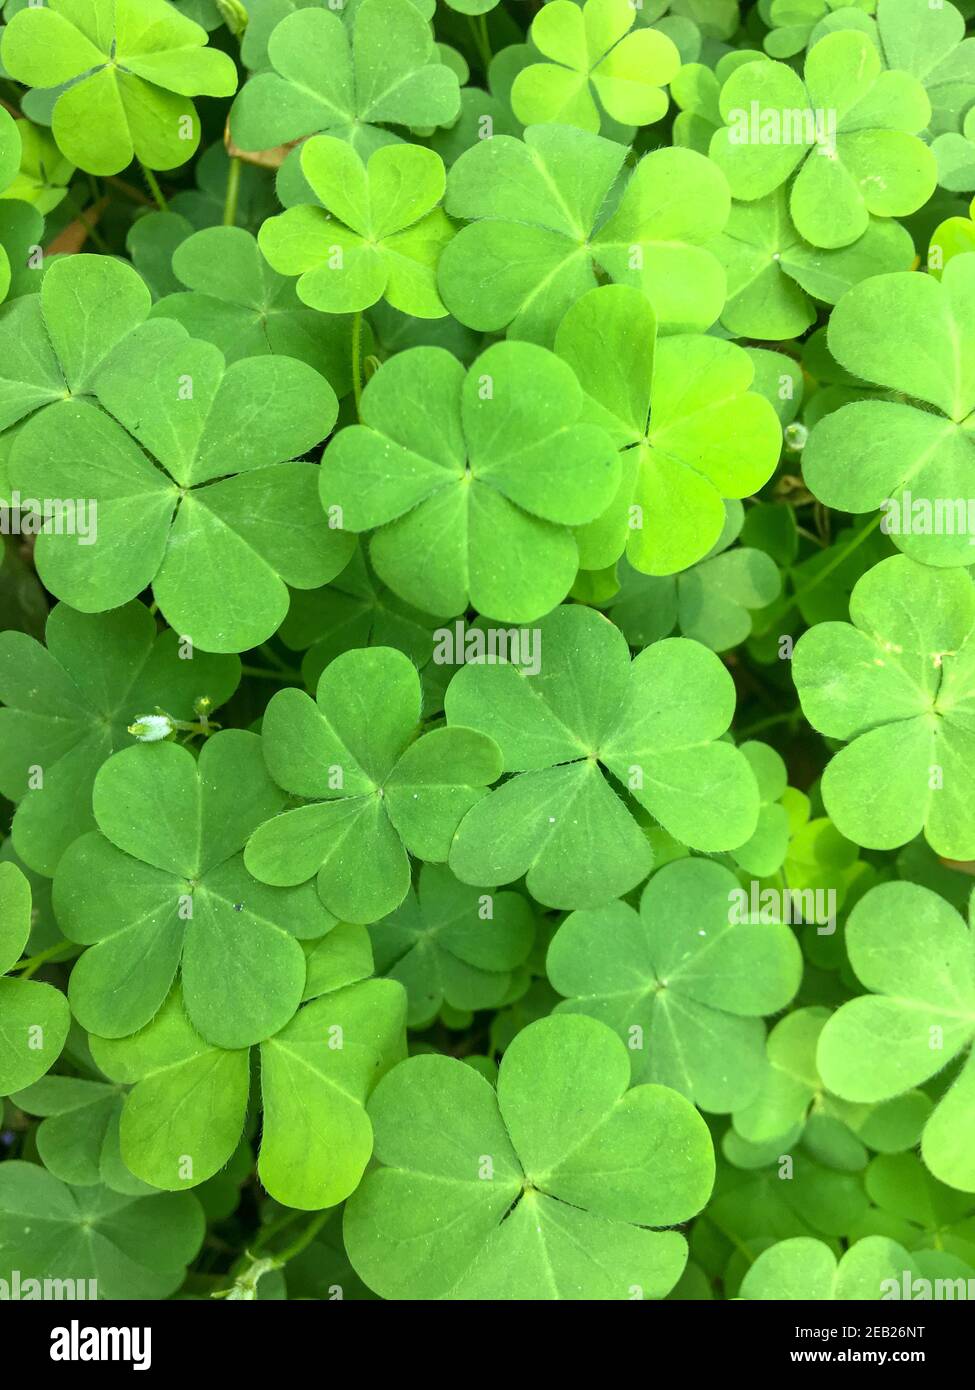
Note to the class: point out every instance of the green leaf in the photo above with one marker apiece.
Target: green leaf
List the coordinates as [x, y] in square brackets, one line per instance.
[684, 982]
[112, 1246]
[683, 449]
[169, 857]
[34, 1017]
[539, 231]
[807, 1269]
[895, 684]
[847, 132]
[448, 943]
[911, 334]
[351, 82]
[481, 477]
[374, 793]
[182, 1120]
[915, 955]
[190, 485]
[541, 1191]
[126, 70]
[99, 673]
[595, 57]
[652, 725]
[378, 233]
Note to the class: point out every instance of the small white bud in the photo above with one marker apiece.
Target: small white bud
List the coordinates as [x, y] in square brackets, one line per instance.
[150, 728]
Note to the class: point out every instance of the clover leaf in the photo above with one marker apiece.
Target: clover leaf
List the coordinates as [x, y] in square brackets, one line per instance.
[53, 344]
[803, 1268]
[126, 70]
[542, 223]
[355, 610]
[508, 1195]
[653, 725]
[169, 853]
[711, 602]
[34, 1016]
[77, 1138]
[683, 986]
[105, 1243]
[378, 234]
[100, 673]
[445, 942]
[484, 477]
[21, 226]
[190, 484]
[912, 459]
[689, 429]
[896, 686]
[236, 301]
[594, 56]
[774, 276]
[327, 75]
[182, 1119]
[916, 956]
[43, 173]
[847, 131]
[373, 790]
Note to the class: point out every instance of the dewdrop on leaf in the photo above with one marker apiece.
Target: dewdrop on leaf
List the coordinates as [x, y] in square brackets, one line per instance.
[151, 728]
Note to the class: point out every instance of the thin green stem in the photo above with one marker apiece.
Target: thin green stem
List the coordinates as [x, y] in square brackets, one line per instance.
[479, 30]
[153, 186]
[63, 950]
[357, 358]
[274, 1228]
[268, 651]
[233, 193]
[837, 558]
[305, 1239]
[791, 716]
[284, 677]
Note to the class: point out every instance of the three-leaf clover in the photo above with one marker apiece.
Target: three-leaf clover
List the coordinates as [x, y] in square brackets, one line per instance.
[448, 943]
[374, 790]
[594, 56]
[379, 233]
[102, 1243]
[654, 725]
[683, 984]
[77, 1138]
[34, 1016]
[916, 956]
[126, 70]
[235, 300]
[189, 477]
[483, 474]
[168, 860]
[349, 80]
[543, 224]
[100, 672]
[897, 685]
[846, 131]
[183, 1118]
[541, 1190]
[774, 276]
[711, 602]
[689, 429]
[914, 335]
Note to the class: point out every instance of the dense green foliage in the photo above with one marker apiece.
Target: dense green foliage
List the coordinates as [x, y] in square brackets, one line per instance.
[487, 680]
